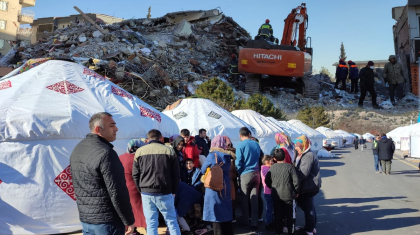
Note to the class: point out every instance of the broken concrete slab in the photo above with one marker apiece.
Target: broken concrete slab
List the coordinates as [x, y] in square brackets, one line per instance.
[183, 29]
[97, 34]
[82, 38]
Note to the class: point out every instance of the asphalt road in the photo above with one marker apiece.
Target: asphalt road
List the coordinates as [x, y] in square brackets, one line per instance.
[356, 200]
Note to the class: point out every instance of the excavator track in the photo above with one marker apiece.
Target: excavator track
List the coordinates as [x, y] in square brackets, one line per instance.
[310, 88]
[253, 83]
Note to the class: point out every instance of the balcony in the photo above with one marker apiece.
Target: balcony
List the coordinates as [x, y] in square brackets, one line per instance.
[26, 17]
[27, 3]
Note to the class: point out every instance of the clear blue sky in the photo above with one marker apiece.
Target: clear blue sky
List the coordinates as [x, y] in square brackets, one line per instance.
[364, 26]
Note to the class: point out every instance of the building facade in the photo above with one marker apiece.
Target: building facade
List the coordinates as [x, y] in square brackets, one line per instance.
[13, 13]
[42, 27]
[407, 41]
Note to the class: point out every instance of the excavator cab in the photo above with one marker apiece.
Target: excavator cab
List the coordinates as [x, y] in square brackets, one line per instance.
[289, 64]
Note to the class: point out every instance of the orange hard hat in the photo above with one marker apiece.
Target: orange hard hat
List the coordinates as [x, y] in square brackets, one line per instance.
[267, 21]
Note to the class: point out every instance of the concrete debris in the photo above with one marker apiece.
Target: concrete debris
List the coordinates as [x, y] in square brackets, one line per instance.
[183, 29]
[97, 34]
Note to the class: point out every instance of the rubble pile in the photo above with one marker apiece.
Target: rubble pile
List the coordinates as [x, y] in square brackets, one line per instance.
[154, 59]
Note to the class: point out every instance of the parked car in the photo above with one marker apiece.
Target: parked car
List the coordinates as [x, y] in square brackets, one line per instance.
[329, 143]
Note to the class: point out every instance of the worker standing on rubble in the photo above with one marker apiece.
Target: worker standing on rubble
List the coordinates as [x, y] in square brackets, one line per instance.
[266, 31]
[367, 82]
[394, 76]
[234, 73]
[354, 77]
[341, 74]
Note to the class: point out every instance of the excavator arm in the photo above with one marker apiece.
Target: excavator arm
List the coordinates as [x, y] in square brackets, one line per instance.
[295, 22]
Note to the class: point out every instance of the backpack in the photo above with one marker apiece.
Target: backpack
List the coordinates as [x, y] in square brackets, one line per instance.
[214, 177]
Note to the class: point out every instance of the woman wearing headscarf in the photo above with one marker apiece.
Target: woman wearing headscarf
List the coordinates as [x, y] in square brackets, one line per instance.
[307, 168]
[218, 205]
[283, 141]
[127, 160]
[232, 173]
[178, 145]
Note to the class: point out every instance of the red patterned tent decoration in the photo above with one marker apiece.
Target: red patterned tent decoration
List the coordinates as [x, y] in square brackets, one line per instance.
[65, 87]
[89, 72]
[32, 63]
[145, 112]
[64, 181]
[120, 92]
[5, 85]
[1, 181]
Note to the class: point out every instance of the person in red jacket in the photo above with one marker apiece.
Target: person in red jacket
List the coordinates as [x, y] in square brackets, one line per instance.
[190, 150]
[127, 160]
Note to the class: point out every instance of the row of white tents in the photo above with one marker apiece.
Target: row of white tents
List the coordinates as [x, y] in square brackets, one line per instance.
[45, 113]
[405, 139]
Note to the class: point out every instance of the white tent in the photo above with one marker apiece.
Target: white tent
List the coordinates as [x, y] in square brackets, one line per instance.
[292, 131]
[330, 134]
[45, 113]
[195, 114]
[349, 137]
[265, 129]
[401, 136]
[414, 140]
[315, 136]
[368, 137]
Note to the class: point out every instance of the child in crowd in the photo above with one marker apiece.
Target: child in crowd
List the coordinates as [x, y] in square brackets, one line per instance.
[267, 161]
[284, 184]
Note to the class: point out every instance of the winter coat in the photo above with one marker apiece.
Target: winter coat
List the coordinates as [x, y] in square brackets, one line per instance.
[342, 70]
[156, 169]
[127, 160]
[218, 205]
[283, 181]
[386, 149]
[265, 30]
[367, 77]
[202, 145]
[233, 67]
[179, 154]
[393, 73]
[185, 198]
[191, 151]
[99, 182]
[354, 71]
[194, 176]
[308, 171]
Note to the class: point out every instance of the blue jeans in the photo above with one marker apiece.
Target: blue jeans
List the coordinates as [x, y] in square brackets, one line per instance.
[112, 228]
[377, 163]
[268, 209]
[165, 204]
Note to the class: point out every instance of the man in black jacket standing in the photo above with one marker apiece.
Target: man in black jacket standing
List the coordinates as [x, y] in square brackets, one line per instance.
[156, 175]
[386, 150]
[203, 142]
[367, 84]
[98, 180]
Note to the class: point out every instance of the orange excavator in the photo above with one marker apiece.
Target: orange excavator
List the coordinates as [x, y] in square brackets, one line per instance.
[289, 64]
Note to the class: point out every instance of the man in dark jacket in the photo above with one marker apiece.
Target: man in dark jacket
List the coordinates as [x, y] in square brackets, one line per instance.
[386, 150]
[354, 77]
[341, 75]
[203, 142]
[375, 154]
[156, 174]
[356, 143]
[367, 83]
[98, 180]
[394, 76]
[192, 175]
[266, 31]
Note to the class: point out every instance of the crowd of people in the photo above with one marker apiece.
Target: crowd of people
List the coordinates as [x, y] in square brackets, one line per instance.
[393, 76]
[192, 180]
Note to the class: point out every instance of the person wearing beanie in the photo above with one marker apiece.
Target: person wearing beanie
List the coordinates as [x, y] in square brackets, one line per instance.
[394, 76]
[367, 83]
[341, 74]
[354, 77]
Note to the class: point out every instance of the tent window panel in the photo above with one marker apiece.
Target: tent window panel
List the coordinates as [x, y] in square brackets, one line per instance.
[180, 115]
[2, 41]
[214, 115]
